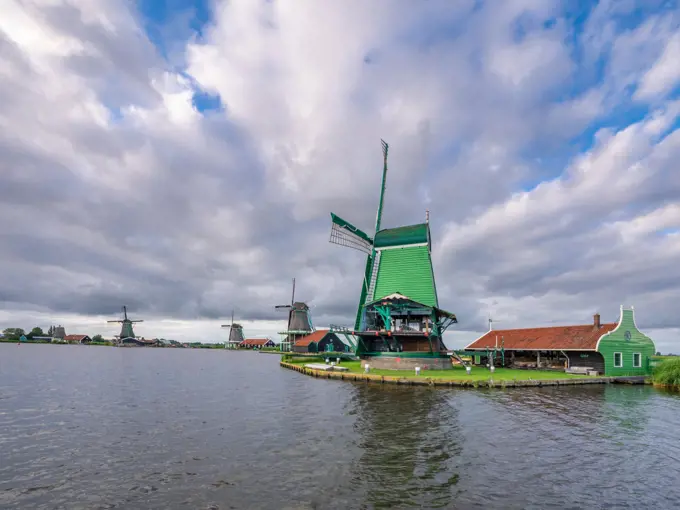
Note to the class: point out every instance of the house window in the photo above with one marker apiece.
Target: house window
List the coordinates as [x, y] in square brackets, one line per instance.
[618, 360]
[637, 360]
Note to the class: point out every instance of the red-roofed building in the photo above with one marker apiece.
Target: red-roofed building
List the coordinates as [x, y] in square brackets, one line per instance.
[77, 339]
[321, 340]
[617, 348]
[256, 343]
[560, 338]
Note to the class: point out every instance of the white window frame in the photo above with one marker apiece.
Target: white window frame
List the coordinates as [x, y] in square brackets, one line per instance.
[639, 365]
[620, 365]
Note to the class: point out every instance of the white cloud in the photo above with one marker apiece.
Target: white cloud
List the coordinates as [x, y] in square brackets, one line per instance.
[114, 189]
[664, 75]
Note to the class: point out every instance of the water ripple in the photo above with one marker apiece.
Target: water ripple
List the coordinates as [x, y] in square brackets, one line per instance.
[145, 428]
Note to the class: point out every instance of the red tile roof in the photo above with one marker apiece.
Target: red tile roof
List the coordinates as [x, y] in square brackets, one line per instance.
[255, 341]
[315, 337]
[555, 338]
[75, 338]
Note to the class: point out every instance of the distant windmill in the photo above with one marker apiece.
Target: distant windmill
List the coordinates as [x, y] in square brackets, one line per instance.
[126, 328]
[235, 333]
[299, 320]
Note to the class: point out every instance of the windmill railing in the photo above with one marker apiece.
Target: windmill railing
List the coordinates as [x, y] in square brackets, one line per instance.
[339, 329]
[345, 332]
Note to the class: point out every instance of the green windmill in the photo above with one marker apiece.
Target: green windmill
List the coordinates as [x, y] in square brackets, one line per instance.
[126, 326]
[398, 308]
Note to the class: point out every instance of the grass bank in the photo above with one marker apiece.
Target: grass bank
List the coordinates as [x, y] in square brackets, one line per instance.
[668, 373]
[454, 374]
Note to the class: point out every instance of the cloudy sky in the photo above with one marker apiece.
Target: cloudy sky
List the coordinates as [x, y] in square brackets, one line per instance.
[182, 157]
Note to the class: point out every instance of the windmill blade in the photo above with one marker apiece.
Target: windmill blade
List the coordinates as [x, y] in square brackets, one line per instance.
[378, 217]
[344, 233]
[283, 307]
[114, 321]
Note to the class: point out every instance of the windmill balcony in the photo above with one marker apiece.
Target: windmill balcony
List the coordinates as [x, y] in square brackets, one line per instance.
[393, 332]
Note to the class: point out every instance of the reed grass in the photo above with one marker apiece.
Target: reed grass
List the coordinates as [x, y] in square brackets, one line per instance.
[668, 373]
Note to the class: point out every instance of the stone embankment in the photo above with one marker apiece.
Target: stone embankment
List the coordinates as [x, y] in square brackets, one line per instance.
[435, 381]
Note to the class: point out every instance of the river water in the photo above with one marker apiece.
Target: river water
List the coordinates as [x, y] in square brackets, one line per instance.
[100, 427]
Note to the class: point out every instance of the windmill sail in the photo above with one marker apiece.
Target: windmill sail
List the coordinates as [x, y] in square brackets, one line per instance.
[344, 233]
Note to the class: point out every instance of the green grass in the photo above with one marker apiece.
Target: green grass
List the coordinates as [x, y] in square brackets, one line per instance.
[456, 373]
[668, 372]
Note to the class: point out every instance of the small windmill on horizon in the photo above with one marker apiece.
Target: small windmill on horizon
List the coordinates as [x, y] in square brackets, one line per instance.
[126, 326]
[299, 321]
[235, 333]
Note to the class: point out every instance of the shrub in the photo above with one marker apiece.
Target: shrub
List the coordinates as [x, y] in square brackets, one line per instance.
[668, 373]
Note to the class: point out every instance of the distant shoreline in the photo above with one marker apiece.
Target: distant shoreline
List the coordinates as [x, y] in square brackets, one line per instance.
[111, 344]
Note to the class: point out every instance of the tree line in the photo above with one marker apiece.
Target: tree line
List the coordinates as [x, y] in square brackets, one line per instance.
[15, 334]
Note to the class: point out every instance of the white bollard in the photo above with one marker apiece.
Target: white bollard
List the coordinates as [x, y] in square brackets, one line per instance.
[327, 360]
[492, 368]
[337, 360]
[367, 367]
[417, 370]
[468, 370]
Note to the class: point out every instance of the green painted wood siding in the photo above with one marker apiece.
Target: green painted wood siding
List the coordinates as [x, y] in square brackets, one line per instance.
[618, 341]
[411, 234]
[407, 271]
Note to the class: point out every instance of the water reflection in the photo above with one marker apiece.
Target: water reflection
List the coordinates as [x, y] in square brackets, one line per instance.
[582, 408]
[410, 446]
[570, 442]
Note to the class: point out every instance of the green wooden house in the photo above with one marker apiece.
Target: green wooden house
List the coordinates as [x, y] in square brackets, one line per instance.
[626, 350]
[611, 349]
